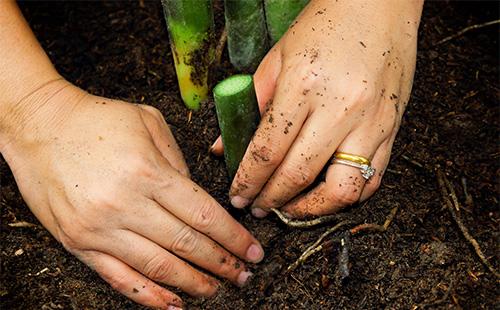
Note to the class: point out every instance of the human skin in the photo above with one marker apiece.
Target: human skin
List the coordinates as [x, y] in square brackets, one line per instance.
[109, 182]
[338, 80]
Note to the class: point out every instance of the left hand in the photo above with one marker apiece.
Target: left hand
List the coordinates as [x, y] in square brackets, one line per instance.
[339, 80]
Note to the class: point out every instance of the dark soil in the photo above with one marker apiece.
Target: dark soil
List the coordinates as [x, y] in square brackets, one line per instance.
[120, 49]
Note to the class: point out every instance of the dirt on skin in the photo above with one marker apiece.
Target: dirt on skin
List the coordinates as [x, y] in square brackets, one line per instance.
[121, 50]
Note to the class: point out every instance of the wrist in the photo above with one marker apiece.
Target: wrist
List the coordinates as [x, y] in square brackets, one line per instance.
[38, 111]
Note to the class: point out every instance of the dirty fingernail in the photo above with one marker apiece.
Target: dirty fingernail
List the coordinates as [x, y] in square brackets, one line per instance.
[255, 253]
[239, 202]
[172, 307]
[259, 213]
[243, 278]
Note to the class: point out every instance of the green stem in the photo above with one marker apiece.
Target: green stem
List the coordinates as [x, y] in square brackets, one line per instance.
[190, 26]
[280, 14]
[247, 33]
[238, 115]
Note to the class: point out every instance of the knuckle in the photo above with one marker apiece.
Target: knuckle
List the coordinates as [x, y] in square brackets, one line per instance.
[298, 176]
[347, 196]
[74, 232]
[204, 216]
[158, 268]
[230, 268]
[207, 287]
[185, 242]
[118, 283]
[100, 201]
[71, 236]
[358, 95]
[138, 166]
[265, 154]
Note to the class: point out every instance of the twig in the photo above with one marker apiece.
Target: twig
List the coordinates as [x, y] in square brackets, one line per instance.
[316, 246]
[442, 182]
[376, 227]
[412, 161]
[467, 29]
[452, 194]
[311, 223]
[220, 47]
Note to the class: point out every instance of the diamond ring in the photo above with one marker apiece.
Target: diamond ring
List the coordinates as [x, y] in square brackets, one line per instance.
[355, 161]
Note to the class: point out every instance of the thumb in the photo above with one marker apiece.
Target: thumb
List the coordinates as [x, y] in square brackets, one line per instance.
[265, 82]
[164, 139]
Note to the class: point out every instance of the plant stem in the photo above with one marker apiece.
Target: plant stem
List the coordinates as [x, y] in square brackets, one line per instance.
[280, 14]
[247, 33]
[238, 115]
[190, 26]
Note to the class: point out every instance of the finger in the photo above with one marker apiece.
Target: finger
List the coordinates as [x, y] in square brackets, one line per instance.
[343, 184]
[159, 265]
[266, 77]
[174, 235]
[379, 162]
[265, 82]
[306, 158]
[164, 139]
[191, 204]
[129, 282]
[278, 129]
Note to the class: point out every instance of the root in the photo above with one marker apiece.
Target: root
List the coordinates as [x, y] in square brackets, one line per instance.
[467, 29]
[454, 208]
[376, 227]
[317, 246]
[311, 223]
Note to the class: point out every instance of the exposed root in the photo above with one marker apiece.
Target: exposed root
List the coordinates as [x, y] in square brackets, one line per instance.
[376, 227]
[316, 246]
[467, 29]
[311, 223]
[445, 186]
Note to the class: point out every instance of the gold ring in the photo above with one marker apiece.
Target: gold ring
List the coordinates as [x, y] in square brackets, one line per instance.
[354, 158]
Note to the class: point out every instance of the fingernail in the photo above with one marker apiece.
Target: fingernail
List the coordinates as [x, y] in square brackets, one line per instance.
[255, 253]
[213, 145]
[259, 213]
[172, 307]
[243, 278]
[239, 202]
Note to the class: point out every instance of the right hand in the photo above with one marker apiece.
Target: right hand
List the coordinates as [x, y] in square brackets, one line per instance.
[108, 180]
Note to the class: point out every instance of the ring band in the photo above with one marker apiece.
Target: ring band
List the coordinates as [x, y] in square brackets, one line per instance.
[355, 161]
[354, 158]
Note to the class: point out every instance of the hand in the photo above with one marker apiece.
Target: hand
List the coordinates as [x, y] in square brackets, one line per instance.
[339, 80]
[108, 180]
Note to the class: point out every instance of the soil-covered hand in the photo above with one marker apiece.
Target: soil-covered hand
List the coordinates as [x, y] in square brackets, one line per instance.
[108, 180]
[339, 80]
